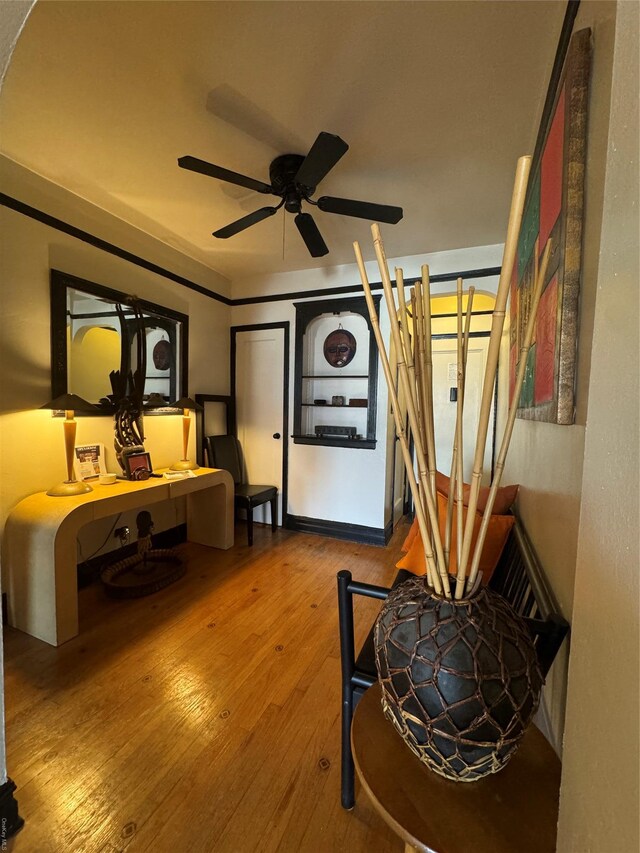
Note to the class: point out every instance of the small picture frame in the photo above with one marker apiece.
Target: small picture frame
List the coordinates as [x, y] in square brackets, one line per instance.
[137, 466]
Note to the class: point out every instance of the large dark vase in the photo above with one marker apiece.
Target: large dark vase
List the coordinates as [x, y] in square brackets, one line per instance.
[460, 679]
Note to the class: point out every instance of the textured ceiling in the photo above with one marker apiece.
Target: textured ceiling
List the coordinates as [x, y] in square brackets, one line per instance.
[435, 99]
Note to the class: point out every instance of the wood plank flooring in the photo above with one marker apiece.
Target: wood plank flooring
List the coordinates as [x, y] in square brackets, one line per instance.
[204, 718]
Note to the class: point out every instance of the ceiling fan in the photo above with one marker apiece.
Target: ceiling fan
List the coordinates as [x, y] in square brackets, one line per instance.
[294, 179]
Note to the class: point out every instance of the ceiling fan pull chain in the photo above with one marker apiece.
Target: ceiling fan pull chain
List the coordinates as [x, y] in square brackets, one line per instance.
[284, 220]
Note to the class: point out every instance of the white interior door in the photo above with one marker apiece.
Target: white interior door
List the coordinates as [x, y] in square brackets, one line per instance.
[444, 379]
[259, 394]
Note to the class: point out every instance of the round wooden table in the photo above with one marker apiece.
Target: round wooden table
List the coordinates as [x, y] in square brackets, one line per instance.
[513, 811]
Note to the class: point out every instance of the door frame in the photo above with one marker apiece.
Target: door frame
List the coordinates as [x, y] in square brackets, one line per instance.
[285, 325]
[485, 334]
[453, 336]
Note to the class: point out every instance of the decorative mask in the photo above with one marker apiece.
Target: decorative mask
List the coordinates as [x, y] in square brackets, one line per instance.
[339, 347]
[162, 355]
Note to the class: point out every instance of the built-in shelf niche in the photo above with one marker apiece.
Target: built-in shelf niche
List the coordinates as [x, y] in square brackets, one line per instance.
[316, 379]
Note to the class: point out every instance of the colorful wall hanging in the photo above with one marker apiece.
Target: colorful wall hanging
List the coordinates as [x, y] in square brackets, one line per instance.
[553, 209]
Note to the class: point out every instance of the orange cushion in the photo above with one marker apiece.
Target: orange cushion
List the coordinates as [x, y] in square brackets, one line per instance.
[411, 535]
[505, 497]
[497, 533]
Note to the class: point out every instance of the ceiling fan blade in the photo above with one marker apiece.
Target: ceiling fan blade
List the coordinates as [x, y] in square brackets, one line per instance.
[311, 236]
[245, 222]
[361, 209]
[323, 156]
[196, 165]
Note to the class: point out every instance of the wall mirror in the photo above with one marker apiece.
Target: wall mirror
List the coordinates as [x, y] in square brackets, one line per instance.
[92, 326]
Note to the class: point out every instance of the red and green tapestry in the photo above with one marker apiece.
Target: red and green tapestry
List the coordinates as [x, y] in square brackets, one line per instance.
[553, 209]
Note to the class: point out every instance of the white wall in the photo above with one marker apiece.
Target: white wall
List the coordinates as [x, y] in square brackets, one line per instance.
[599, 795]
[342, 484]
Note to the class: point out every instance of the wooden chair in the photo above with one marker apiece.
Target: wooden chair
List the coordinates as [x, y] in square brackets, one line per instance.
[224, 451]
[518, 577]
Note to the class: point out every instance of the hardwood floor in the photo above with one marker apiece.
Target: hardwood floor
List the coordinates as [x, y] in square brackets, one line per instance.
[204, 718]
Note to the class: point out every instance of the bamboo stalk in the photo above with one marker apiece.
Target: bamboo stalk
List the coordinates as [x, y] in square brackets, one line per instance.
[425, 311]
[409, 357]
[458, 438]
[511, 418]
[452, 474]
[417, 342]
[411, 409]
[406, 343]
[417, 337]
[513, 230]
[467, 326]
[422, 390]
[432, 575]
[404, 320]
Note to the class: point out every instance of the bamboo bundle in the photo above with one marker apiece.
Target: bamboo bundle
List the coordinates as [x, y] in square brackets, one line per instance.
[432, 572]
[513, 230]
[506, 438]
[415, 374]
[410, 393]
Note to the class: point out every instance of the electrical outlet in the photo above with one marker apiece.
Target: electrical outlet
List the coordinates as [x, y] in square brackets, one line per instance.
[122, 533]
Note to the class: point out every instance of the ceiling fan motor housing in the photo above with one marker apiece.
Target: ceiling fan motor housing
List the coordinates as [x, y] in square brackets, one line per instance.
[282, 174]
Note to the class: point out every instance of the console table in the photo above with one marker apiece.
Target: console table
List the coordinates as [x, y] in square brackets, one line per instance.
[512, 811]
[39, 542]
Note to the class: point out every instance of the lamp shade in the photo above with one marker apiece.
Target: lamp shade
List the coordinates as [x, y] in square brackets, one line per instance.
[155, 401]
[186, 403]
[70, 402]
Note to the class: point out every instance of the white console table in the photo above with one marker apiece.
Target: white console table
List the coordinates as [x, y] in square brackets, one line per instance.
[39, 542]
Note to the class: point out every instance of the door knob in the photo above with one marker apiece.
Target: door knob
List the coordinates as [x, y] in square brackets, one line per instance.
[276, 435]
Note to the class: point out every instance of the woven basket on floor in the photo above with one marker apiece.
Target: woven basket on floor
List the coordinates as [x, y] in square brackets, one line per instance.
[137, 576]
[460, 679]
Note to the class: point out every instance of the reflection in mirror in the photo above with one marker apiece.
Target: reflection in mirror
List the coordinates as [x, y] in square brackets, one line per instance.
[94, 331]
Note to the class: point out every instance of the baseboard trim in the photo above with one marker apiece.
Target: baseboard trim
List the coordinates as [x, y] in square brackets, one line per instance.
[340, 530]
[89, 571]
[10, 820]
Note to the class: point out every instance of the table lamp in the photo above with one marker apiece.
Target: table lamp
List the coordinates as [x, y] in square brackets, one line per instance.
[186, 404]
[69, 403]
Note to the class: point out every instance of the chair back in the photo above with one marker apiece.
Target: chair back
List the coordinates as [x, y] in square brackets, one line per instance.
[223, 451]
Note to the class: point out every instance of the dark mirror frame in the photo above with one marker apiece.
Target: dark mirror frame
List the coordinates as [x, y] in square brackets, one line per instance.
[60, 281]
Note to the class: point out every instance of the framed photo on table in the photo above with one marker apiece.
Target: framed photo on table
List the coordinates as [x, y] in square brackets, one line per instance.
[137, 466]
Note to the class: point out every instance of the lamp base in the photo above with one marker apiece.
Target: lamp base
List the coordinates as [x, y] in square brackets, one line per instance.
[70, 488]
[184, 465]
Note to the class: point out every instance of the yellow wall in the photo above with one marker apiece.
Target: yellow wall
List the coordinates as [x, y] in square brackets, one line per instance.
[449, 304]
[31, 445]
